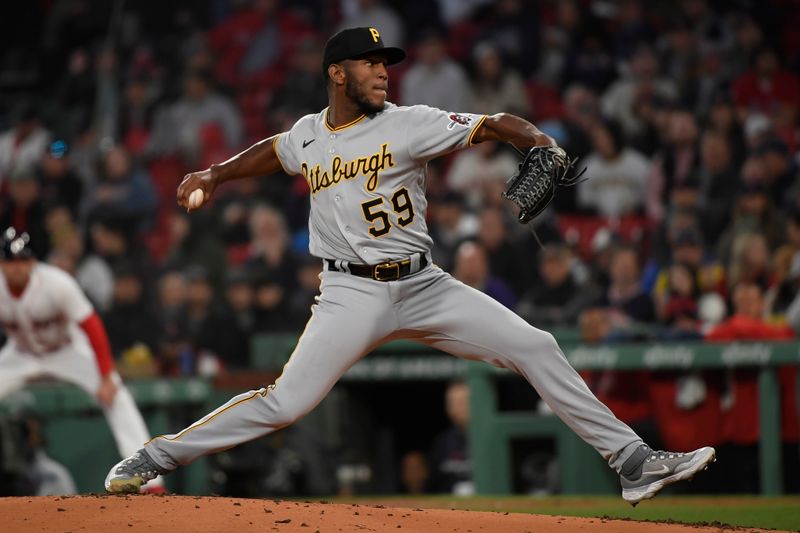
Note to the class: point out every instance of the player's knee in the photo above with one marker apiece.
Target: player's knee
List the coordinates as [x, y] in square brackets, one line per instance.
[543, 343]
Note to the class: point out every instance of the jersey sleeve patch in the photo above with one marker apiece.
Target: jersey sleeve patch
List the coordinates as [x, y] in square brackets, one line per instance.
[434, 132]
[459, 120]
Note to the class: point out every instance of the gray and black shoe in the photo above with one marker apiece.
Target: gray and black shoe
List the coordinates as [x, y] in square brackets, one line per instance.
[128, 476]
[648, 471]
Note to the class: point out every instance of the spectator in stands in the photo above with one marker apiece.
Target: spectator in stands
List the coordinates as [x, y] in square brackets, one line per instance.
[434, 79]
[590, 61]
[59, 183]
[451, 466]
[130, 320]
[769, 89]
[630, 26]
[718, 183]
[750, 260]
[680, 57]
[601, 249]
[595, 324]
[784, 268]
[25, 468]
[174, 353]
[113, 242]
[172, 295]
[414, 473]
[454, 12]
[23, 208]
[581, 113]
[193, 242]
[642, 84]
[198, 126]
[512, 26]
[509, 259]
[793, 311]
[199, 311]
[573, 133]
[781, 171]
[48, 476]
[558, 38]
[269, 304]
[675, 165]
[793, 229]
[471, 169]
[303, 90]
[92, 273]
[677, 309]
[753, 212]
[238, 309]
[450, 225]
[252, 45]
[686, 249]
[374, 14]
[23, 145]
[204, 322]
[472, 268]
[557, 299]
[137, 109]
[748, 37]
[619, 175]
[270, 247]
[124, 192]
[494, 87]
[75, 92]
[741, 430]
[722, 120]
[232, 210]
[625, 295]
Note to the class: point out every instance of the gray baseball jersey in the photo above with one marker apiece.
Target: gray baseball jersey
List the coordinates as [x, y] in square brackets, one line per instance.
[367, 178]
[367, 181]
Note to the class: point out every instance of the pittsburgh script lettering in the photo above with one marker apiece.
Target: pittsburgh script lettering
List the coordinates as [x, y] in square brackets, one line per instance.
[370, 166]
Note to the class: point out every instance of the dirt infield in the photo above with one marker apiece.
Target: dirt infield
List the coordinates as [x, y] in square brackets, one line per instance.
[206, 514]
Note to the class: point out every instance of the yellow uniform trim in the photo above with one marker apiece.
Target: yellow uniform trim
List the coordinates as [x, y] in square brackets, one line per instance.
[277, 154]
[475, 129]
[262, 392]
[343, 126]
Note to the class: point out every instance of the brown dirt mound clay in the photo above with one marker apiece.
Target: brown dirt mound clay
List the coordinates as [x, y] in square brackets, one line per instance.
[206, 514]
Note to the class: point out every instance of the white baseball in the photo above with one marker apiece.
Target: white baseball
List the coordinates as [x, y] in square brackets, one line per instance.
[196, 198]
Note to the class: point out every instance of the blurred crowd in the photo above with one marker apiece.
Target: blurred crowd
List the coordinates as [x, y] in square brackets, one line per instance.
[684, 113]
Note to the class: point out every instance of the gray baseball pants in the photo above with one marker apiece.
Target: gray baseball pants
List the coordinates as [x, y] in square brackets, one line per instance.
[354, 315]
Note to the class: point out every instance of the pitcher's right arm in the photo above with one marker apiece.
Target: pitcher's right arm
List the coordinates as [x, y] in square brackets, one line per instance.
[258, 160]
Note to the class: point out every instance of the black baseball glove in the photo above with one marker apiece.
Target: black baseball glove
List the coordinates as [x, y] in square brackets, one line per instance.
[534, 186]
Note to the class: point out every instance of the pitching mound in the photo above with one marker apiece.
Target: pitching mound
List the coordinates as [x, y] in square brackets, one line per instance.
[200, 514]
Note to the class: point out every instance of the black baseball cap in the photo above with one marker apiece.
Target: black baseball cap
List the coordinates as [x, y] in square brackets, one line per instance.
[14, 245]
[354, 42]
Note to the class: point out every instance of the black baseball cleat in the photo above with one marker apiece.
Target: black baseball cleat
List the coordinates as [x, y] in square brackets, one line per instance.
[648, 471]
[128, 476]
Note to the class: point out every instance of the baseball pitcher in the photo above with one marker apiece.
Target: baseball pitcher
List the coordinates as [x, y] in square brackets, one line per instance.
[54, 331]
[365, 162]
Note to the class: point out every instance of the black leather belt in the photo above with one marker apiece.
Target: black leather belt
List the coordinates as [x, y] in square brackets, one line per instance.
[388, 271]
